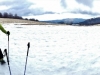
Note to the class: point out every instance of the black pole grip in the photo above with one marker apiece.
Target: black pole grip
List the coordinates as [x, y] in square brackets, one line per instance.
[28, 44]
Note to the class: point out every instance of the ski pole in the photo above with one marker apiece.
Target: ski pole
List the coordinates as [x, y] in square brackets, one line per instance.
[27, 56]
[8, 46]
[7, 61]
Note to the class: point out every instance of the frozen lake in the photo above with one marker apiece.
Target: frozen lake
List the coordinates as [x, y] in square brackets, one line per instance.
[54, 50]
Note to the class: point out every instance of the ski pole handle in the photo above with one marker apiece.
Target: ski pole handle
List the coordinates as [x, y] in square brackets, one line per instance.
[28, 48]
[28, 44]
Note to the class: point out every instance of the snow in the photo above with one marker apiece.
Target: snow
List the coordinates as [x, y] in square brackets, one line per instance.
[54, 50]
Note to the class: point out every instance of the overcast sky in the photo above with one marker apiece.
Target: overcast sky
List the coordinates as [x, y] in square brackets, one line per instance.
[52, 9]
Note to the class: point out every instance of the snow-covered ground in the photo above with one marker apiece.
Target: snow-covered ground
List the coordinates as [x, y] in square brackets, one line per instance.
[54, 50]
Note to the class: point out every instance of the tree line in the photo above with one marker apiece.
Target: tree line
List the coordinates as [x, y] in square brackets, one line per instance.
[14, 16]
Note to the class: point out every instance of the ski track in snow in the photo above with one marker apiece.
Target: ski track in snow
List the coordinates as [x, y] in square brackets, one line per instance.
[54, 50]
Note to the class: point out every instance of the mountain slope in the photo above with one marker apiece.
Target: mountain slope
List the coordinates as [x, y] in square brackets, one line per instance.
[67, 20]
[91, 21]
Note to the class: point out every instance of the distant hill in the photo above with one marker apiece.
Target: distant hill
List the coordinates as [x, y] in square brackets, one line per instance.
[91, 21]
[76, 21]
[66, 21]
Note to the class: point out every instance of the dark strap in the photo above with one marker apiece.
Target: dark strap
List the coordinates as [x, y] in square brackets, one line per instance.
[1, 55]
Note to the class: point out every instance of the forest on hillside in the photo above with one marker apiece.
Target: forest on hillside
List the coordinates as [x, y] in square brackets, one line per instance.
[91, 21]
[14, 16]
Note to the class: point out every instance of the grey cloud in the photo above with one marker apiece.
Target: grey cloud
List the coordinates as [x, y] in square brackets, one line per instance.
[37, 12]
[15, 3]
[63, 3]
[88, 3]
[49, 12]
[17, 6]
[85, 12]
[22, 8]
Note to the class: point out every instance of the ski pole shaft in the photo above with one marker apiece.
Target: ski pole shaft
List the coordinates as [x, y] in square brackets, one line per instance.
[25, 66]
[27, 57]
[9, 69]
[7, 61]
[8, 46]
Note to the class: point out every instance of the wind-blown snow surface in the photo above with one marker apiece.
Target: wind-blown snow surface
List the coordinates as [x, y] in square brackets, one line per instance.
[54, 50]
